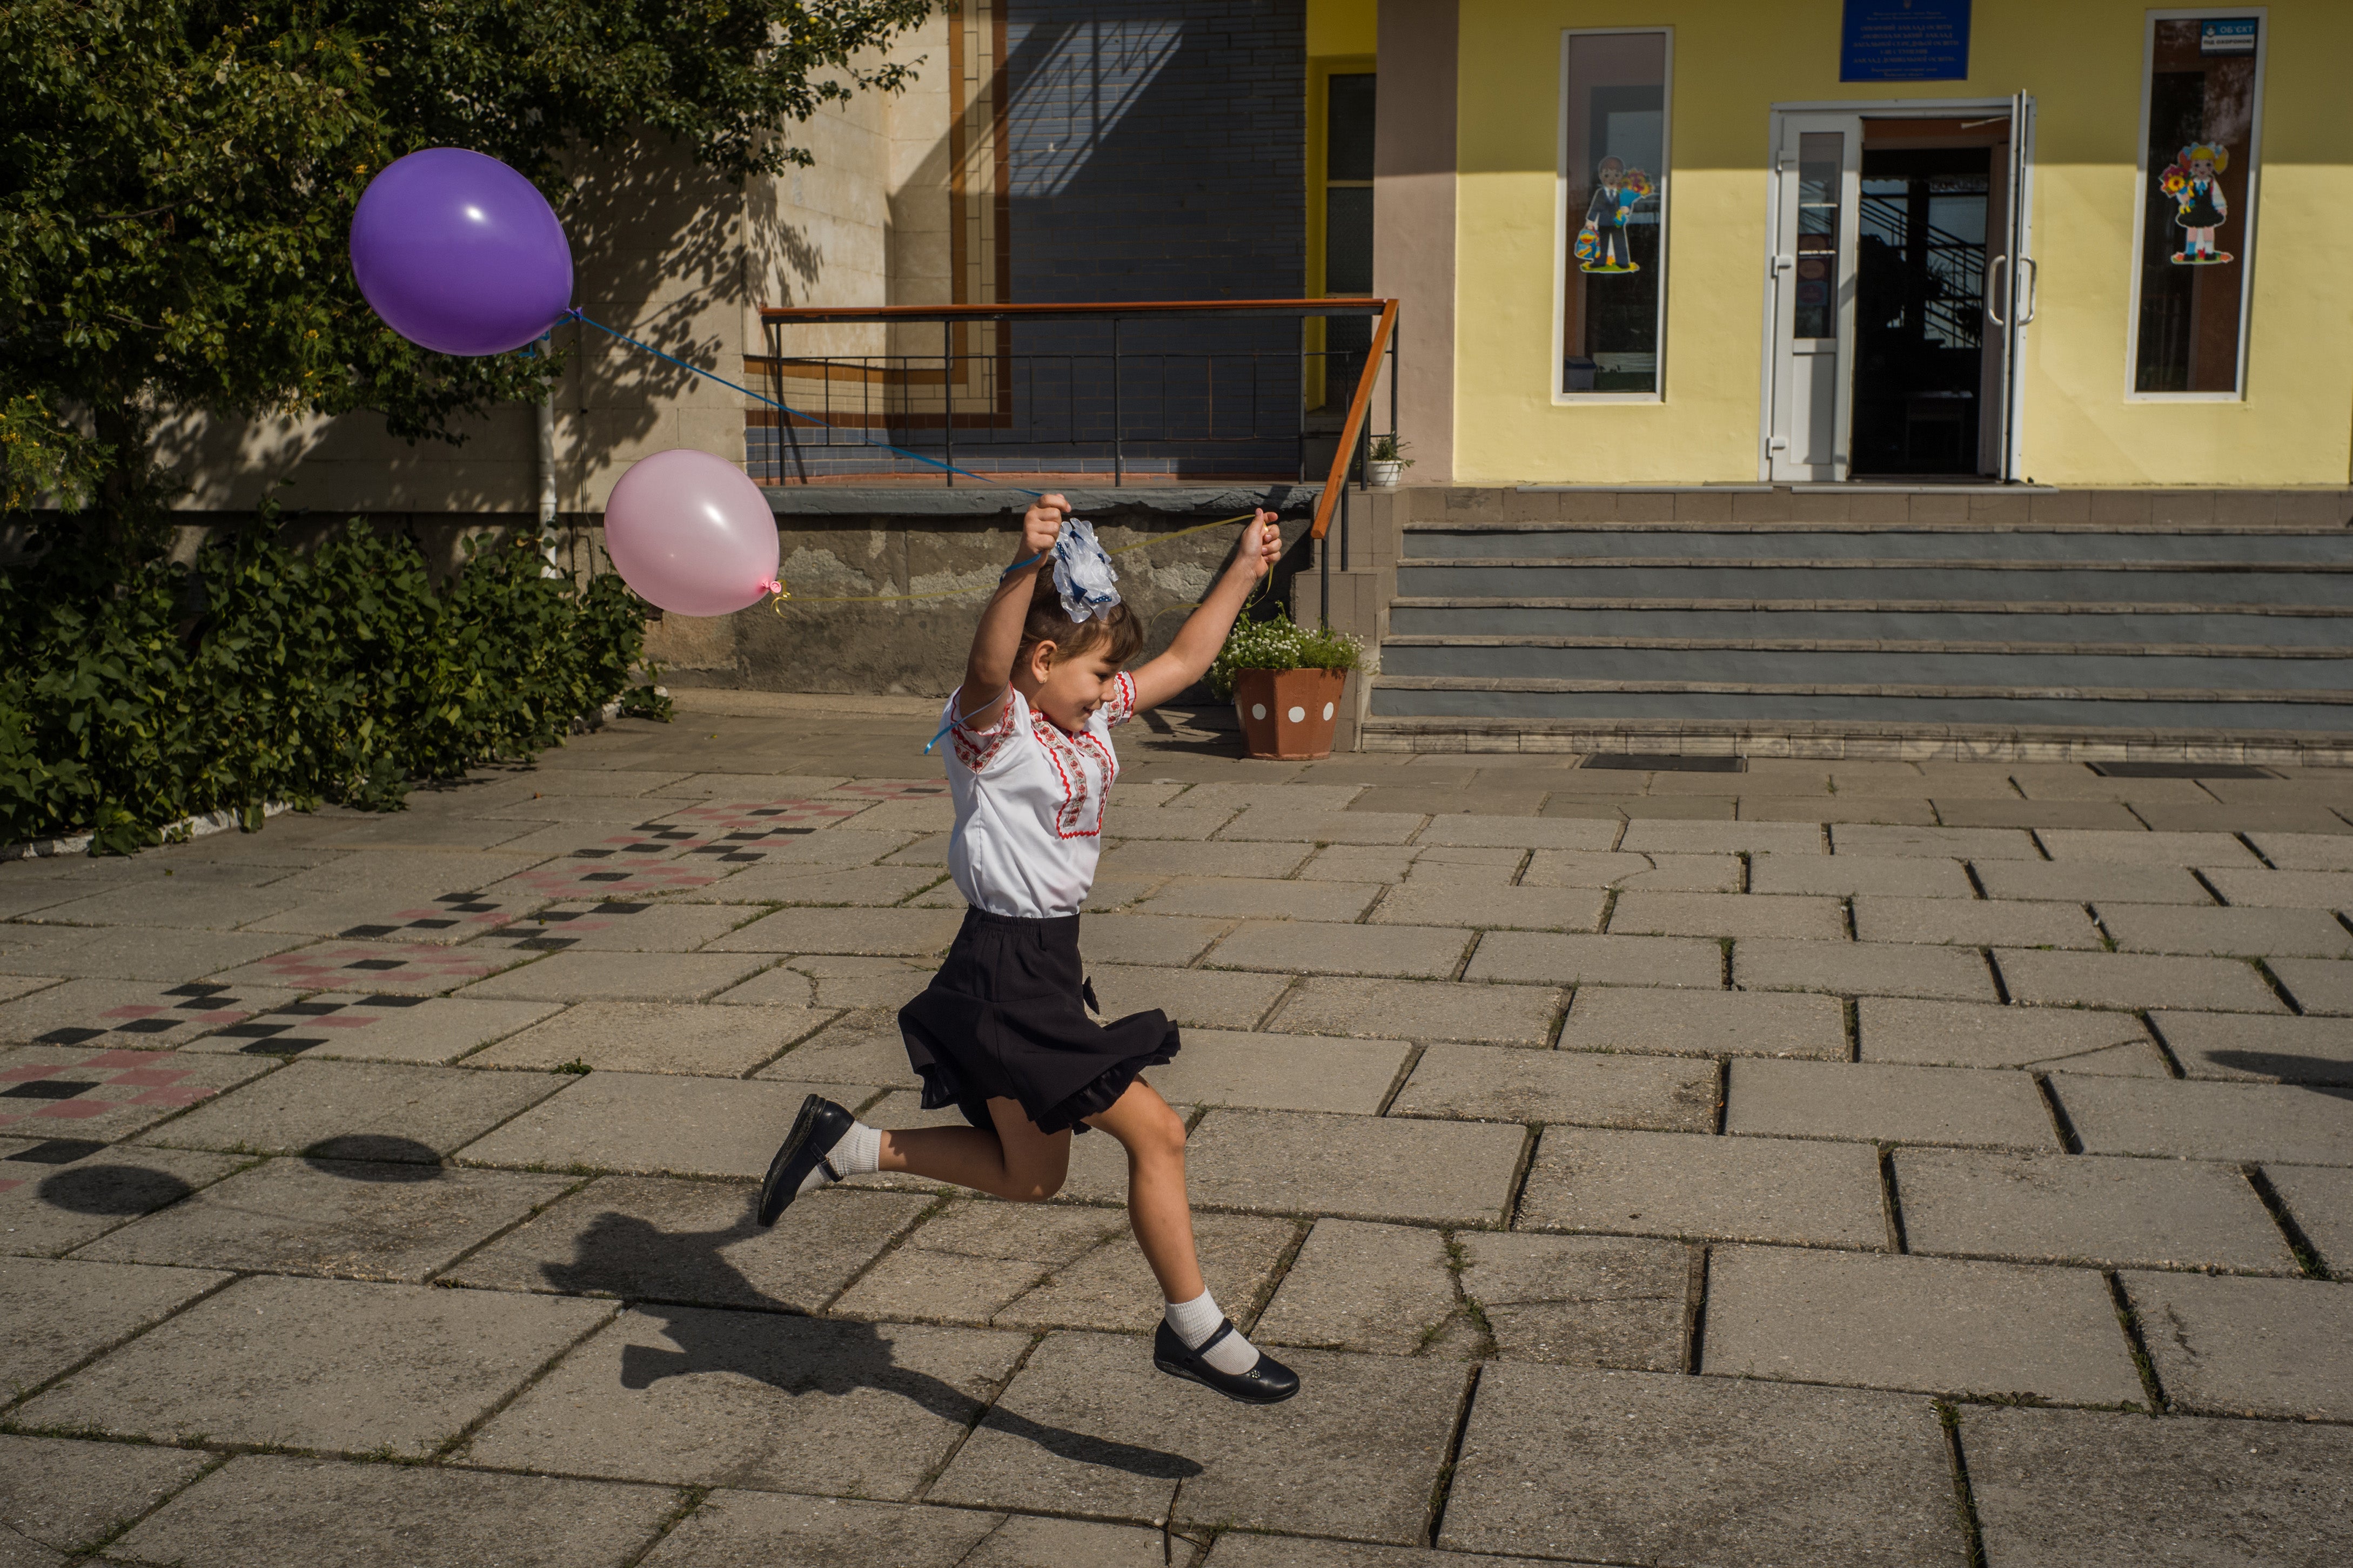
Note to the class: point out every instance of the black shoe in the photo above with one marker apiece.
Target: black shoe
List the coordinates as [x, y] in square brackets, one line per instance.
[819, 1127]
[1268, 1382]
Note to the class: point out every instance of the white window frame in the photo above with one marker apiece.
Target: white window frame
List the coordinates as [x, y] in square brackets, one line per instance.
[2246, 253]
[1563, 245]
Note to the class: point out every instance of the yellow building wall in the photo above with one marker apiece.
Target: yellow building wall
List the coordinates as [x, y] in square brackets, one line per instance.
[1342, 27]
[1733, 60]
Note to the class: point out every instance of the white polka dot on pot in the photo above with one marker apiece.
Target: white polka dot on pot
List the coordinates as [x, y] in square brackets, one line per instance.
[1297, 715]
[1327, 710]
[1258, 710]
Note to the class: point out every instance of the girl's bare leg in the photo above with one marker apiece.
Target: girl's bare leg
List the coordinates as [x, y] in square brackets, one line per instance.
[1015, 1162]
[1158, 1209]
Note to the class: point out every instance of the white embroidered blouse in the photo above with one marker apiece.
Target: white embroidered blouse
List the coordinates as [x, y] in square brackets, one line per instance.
[1030, 805]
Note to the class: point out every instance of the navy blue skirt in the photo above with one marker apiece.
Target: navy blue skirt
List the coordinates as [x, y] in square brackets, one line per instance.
[1005, 1019]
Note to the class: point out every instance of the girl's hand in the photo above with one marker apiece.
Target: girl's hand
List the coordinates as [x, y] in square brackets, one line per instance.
[1262, 545]
[1042, 524]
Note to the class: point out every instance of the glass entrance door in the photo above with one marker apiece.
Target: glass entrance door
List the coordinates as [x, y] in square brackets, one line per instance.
[1817, 191]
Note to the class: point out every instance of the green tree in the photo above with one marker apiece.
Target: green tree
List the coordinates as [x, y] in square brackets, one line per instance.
[177, 179]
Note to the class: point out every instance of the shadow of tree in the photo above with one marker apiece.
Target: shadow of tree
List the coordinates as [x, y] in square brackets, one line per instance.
[2330, 1076]
[617, 1254]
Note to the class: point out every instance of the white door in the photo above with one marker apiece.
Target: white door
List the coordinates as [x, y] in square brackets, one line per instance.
[2009, 292]
[1817, 181]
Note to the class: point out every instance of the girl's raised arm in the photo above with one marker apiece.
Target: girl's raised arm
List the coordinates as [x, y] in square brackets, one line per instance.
[1204, 633]
[988, 671]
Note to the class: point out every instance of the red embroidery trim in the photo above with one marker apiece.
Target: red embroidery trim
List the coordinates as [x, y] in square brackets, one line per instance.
[973, 748]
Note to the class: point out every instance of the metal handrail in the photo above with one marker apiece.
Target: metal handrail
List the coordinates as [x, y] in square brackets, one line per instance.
[1352, 429]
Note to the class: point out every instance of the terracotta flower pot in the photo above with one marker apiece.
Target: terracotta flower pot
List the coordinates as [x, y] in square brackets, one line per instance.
[1288, 715]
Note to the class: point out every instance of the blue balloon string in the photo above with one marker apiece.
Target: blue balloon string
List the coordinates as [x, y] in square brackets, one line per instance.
[576, 314]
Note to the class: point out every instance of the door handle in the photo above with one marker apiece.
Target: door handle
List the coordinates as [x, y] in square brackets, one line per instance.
[1993, 291]
[2033, 270]
[1784, 263]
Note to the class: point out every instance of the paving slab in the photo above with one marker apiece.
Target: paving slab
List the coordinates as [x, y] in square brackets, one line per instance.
[973, 1258]
[1239, 898]
[1976, 924]
[397, 968]
[357, 1111]
[2072, 1208]
[2236, 1121]
[801, 883]
[59, 1194]
[2227, 1346]
[2045, 813]
[642, 1237]
[2318, 984]
[1173, 823]
[1161, 940]
[690, 1396]
[1631, 1467]
[2240, 933]
[1390, 863]
[1239, 1549]
[1704, 1023]
[1598, 960]
[1972, 844]
[1318, 948]
[1706, 1188]
[658, 1038]
[14, 986]
[2241, 1047]
[137, 1015]
[72, 1091]
[1089, 1428]
[398, 915]
[887, 932]
[1846, 876]
[355, 1026]
[422, 872]
[1203, 998]
[2144, 848]
[1978, 1035]
[833, 980]
[1113, 1288]
[1283, 1072]
[1879, 1102]
[1386, 1289]
[1651, 872]
[1500, 1083]
[61, 1312]
[2305, 851]
[622, 977]
[2098, 881]
[1544, 833]
[267, 1510]
[1354, 1167]
[2320, 1201]
[1933, 1325]
[1875, 808]
[1654, 837]
[2133, 980]
[860, 1046]
[1792, 917]
[1162, 858]
[1581, 1300]
[1284, 823]
[2284, 890]
[1454, 903]
[270, 1345]
[735, 1527]
[623, 925]
[1420, 1010]
[59, 1498]
[652, 1124]
[1862, 969]
[135, 953]
[2073, 1489]
[349, 1219]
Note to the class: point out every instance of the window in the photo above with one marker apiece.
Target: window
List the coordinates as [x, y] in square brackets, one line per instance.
[2202, 112]
[1347, 179]
[1613, 243]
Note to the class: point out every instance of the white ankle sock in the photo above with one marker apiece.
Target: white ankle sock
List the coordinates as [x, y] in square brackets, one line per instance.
[1195, 1320]
[857, 1151]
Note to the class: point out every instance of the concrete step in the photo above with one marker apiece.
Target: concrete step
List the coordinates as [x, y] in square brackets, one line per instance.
[2159, 628]
[2271, 547]
[1965, 579]
[1864, 666]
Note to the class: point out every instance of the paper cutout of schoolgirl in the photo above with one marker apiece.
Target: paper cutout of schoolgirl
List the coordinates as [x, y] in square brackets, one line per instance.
[2193, 180]
[1601, 245]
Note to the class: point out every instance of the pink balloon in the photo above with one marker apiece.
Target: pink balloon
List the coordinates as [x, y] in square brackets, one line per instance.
[691, 532]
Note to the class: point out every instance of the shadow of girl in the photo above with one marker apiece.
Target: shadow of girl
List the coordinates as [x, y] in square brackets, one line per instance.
[665, 1275]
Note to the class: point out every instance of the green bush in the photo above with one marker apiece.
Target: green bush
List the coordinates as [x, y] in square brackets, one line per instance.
[338, 674]
[1277, 643]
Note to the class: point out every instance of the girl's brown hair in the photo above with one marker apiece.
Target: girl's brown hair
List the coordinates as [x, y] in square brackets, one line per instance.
[1046, 622]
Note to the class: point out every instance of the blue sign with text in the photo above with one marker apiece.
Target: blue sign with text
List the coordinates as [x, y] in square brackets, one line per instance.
[1904, 40]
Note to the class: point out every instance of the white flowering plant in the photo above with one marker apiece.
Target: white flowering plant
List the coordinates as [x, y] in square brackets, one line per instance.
[1277, 643]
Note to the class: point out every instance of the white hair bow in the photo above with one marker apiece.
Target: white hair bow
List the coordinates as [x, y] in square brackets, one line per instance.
[1082, 572]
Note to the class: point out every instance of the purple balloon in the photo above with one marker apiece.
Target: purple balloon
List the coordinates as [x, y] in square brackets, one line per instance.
[689, 533]
[459, 254]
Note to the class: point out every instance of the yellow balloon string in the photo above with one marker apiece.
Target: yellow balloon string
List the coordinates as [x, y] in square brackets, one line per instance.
[784, 594]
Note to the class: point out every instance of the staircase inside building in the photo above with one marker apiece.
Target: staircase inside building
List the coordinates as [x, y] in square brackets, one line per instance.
[1924, 637]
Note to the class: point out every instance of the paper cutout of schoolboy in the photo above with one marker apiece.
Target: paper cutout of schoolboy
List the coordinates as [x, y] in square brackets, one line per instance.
[2193, 180]
[1601, 245]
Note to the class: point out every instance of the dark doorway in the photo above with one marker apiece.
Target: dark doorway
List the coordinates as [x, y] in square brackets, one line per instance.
[1920, 267]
